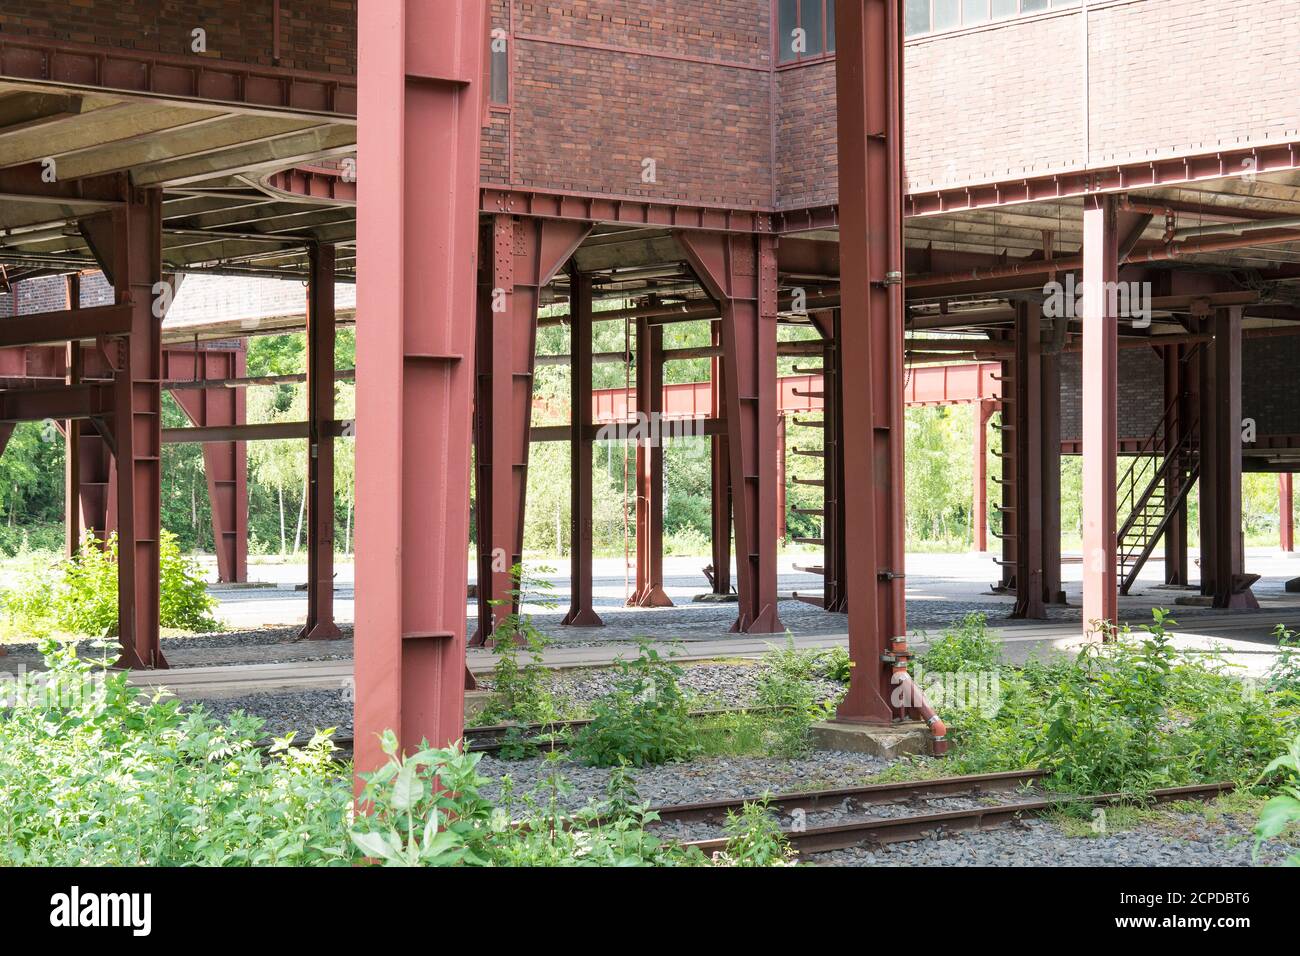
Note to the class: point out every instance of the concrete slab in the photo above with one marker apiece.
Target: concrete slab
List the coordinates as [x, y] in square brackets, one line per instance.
[885, 742]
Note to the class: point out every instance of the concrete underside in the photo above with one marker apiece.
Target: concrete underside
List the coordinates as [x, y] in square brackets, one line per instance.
[886, 742]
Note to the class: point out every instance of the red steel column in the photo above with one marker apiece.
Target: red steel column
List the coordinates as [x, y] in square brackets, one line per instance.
[1027, 434]
[72, 525]
[137, 426]
[1222, 548]
[1049, 415]
[1100, 385]
[740, 273]
[225, 464]
[650, 430]
[419, 70]
[721, 469]
[320, 624]
[524, 256]
[834, 592]
[1176, 393]
[982, 411]
[780, 477]
[581, 613]
[869, 91]
[1285, 512]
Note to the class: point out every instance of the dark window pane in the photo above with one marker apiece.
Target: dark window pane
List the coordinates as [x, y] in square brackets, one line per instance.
[830, 26]
[500, 76]
[1005, 8]
[974, 11]
[916, 17]
[947, 14]
[812, 23]
[1029, 6]
[787, 20]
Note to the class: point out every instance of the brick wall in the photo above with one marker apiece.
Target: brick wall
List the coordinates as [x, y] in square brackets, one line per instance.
[317, 35]
[1268, 394]
[1140, 399]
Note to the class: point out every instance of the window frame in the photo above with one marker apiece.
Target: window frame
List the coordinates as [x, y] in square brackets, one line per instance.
[805, 58]
[492, 104]
[990, 21]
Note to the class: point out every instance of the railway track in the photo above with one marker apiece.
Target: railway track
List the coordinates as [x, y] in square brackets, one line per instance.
[899, 812]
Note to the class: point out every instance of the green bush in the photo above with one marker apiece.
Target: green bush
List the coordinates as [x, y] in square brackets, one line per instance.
[78, 595]
[785, 688]
[91, 772]
[966, 647]
[1283, 810]
[646, 720]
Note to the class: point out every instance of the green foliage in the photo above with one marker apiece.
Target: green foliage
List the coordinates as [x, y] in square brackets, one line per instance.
[79, 595]
[963, 647]
[836, 665]
[785, 687]
[1283, 810]
[754, 838]
[1284, 674]
[92, 772]
[645, 720]
[521, 693]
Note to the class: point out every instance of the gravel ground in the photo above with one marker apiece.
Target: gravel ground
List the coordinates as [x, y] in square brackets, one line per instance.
[715, 685]
[713, 778]
[303, 712]
[1183, 840]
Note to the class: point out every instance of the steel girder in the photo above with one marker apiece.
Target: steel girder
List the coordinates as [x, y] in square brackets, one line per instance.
[581, 613]
[225, 464]
[649, 467]
[740, 273]
[720, 472]
[420, 71]
[1100, 385]
[320, 624]
[869, 91]
[519, 257]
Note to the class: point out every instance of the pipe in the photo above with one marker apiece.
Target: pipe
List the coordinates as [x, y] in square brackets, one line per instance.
[1237, 228]
[913, 698]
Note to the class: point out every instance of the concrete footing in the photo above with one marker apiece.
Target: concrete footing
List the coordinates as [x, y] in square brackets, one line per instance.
[886, 741]
[475, 701]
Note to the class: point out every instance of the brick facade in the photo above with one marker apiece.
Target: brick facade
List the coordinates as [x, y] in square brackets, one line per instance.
[315, 35]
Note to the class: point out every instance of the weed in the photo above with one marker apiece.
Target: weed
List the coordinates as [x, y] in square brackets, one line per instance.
[754, 838]
[645, 720]
[1283, 810]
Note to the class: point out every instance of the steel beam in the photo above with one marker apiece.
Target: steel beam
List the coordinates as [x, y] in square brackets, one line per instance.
[581, 613]
[519, 258]
[1100, 389]
[720, 473]
[420, 70]
[1223, 574]
[869, 93]
[1049, 460]
[1176, 394]
[136, 268]
[1285, 512]
[740, 273]
[1027, 435]
[320, 624]
[225, 464]
[649, 468]
[835, 595]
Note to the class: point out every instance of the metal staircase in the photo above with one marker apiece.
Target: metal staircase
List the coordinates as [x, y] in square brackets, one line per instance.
[1153, 489]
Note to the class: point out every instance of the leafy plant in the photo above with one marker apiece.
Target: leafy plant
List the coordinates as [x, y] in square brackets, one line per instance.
[785, 687]
[645, 720]
[965, 647]
[836, 665]
[1283, 810]
[754, 838]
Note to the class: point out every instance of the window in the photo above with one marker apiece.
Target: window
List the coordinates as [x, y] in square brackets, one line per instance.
[933, 16]
[805, 29]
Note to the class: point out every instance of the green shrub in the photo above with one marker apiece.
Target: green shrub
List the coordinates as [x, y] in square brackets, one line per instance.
[785, 688]
[92, 772]
[1283, 810]
[78, 595]
[836, 665]
[754, 838]
[646, 720]
[965, 647]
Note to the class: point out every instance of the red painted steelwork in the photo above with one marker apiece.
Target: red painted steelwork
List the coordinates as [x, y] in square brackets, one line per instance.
[581, 613]
[740, 273]
[720, 472]
[1100, 384]
[649, 468]
[320, 624]
[869, 79]
[419, 68]
[981, 413]
[225, 464]
[624, 210]
[1285, 512]
[169, 75]
[521, 257]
